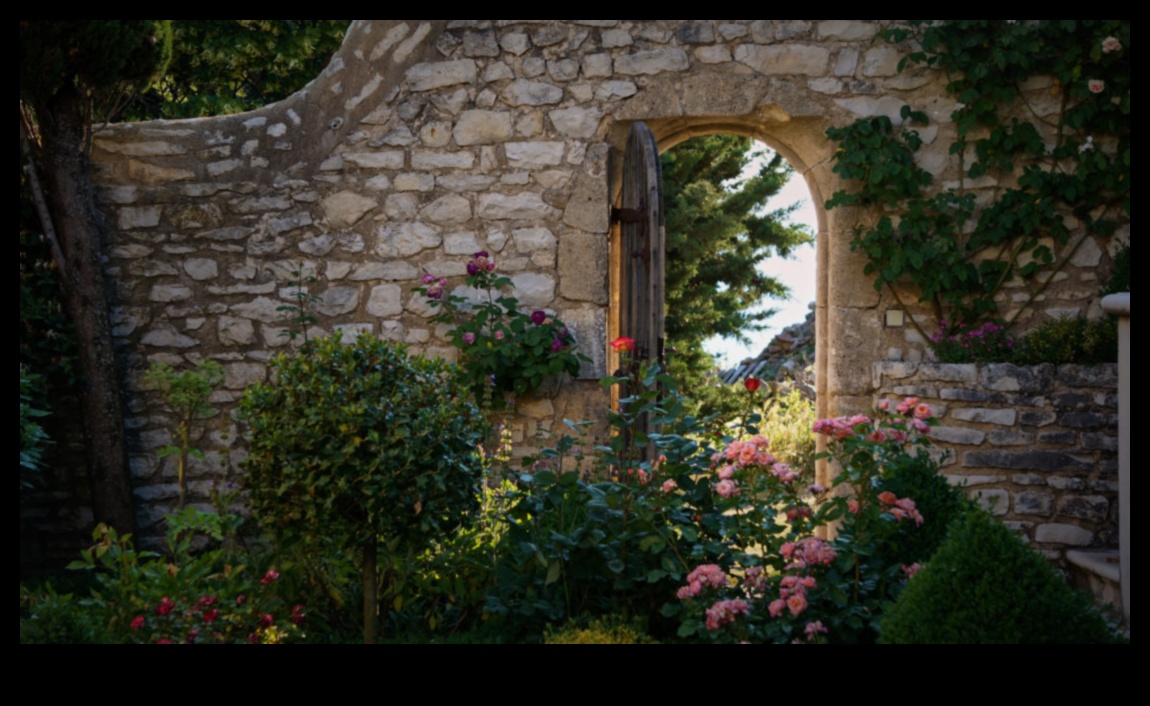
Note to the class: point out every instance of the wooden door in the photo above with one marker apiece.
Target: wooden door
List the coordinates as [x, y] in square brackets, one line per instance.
[642, 248]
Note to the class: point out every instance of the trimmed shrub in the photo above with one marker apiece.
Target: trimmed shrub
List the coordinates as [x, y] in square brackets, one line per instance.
[985, 586]
[1073, 341]
[365, 444]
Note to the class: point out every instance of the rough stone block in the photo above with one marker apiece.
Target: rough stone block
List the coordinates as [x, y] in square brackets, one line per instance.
[238, 376]
[431, 161]
[1099, 442]
[234, 331]
[563, 70]
[345, 208]
[461, 244]
[654, 61]
[1031, 503]
[583, 267]
[576, 122]
[958, 394]
[1023, 460]
[432, 75]
[201, 269]
[1037, 419]
[530, 240]
[958, 435]
[482, 127]
[534, 289]
[336, 301]
[590, 329]
[450, 209]
[612, 38]
[1105, 375]
[1002, 417]
[534, 155]
[949, 372]
[697, 32]
[414, 182]
[803, 59]
[1083, 420]
[385, 301]
[1093, 508]
[996, 502]
[522, 92]
[846, 29]
[525, 206]
[480, 44]
[1031, 380]
[1011, 438]
[1068, 535]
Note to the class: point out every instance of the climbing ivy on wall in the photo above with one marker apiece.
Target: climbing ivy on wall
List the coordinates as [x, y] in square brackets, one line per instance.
[1043, 112]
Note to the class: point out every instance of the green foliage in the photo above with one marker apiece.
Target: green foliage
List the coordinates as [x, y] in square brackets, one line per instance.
[940, 243]
[188, 395]
[443, 590]
[220, 67]
[503, 351]
[302, 316]
[919, 476]
[788, 420]
[717, 235]
[604, 631]
[1120, 277]
[102, 59]
[1073, 340]
[985, 586]
[48, 617]
[32, 435]
[362, 441]
[213, 597]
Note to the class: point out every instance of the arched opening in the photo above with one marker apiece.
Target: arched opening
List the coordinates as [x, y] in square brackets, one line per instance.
[674, 133]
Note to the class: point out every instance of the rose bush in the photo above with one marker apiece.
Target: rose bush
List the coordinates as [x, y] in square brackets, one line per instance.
[504, 351]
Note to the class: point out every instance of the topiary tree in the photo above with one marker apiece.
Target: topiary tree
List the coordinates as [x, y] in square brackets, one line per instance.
[984, 585]
[364, 443]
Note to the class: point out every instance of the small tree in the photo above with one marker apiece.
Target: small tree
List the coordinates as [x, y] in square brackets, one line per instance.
[367, 443]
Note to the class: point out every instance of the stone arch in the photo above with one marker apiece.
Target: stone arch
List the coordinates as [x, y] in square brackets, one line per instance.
[425, 140]
[804, 148]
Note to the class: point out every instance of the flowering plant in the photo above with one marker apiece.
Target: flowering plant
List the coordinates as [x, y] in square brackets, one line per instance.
[777, 580]
[213, 597]
[502, 349]
[987, 343]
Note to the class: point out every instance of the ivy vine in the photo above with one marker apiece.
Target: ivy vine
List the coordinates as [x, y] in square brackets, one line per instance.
[1042, 113]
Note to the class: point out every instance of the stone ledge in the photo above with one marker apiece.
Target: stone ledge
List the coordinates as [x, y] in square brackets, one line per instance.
[1101, 562]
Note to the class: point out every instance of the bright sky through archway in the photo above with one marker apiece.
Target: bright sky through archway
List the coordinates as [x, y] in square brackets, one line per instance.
[796, 272]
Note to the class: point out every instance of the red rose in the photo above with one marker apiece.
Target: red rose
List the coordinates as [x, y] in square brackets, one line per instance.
[165, 606]
[623, 344]
[137, 622]
[752, 384]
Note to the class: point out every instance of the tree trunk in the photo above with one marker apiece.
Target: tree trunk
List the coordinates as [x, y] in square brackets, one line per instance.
[71, 200]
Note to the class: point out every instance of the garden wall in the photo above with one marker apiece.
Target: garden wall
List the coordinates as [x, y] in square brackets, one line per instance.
[426, 140]
[1038, 445]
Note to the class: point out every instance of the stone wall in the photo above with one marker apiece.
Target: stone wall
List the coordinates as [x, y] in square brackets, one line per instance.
[426, 140]
[1038, 445]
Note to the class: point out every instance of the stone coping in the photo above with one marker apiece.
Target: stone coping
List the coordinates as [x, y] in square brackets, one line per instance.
[1101, 562]
[1117, 304]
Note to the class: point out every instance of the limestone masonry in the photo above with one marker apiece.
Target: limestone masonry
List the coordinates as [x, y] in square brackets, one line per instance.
[426, 140]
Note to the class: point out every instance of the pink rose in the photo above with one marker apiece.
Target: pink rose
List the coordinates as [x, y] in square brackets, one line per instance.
[669, 486]
[1096, 85]
[1111, 44]
[796, 603]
